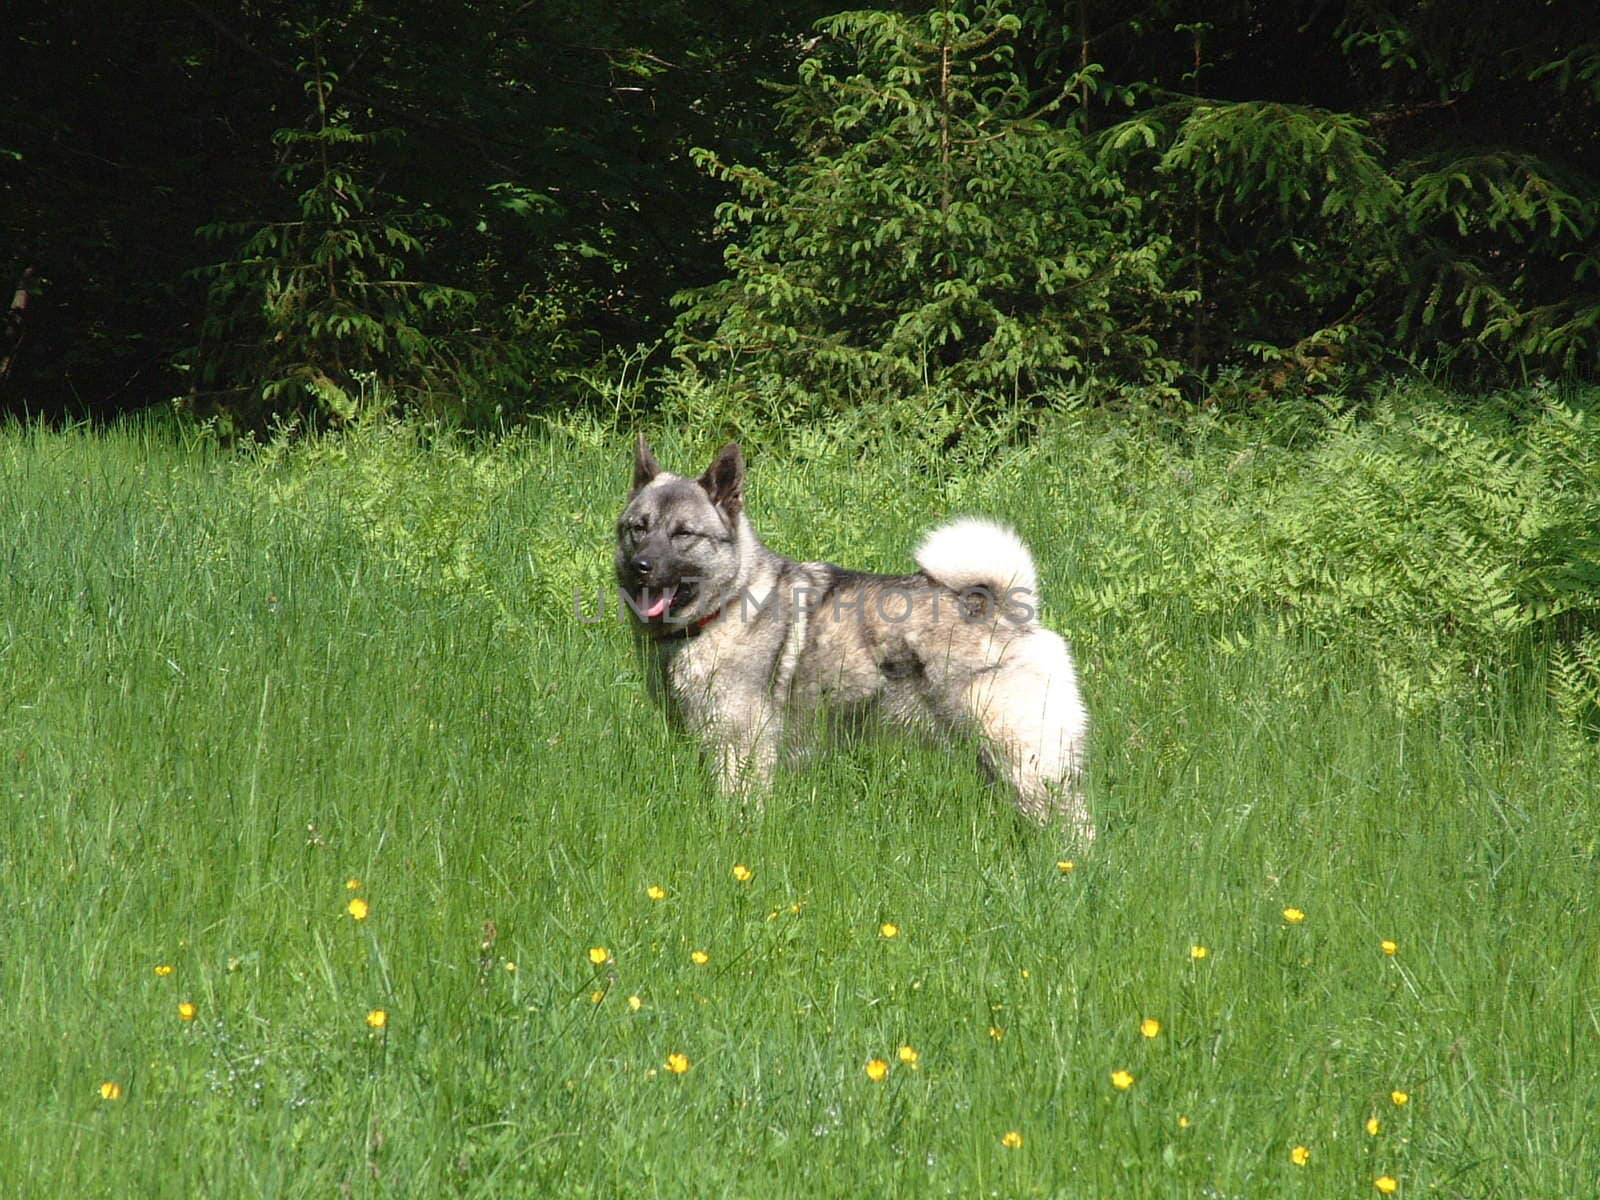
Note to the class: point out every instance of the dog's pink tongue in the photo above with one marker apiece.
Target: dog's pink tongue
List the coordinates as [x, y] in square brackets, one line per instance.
[659, 607]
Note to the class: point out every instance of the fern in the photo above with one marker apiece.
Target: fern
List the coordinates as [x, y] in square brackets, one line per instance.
[1439, 542]
[1575, 682]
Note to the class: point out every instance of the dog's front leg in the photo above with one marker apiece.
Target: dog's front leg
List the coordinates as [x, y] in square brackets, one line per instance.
[744, 749]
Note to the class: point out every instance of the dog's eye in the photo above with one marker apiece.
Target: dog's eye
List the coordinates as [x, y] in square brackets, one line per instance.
[683, 535]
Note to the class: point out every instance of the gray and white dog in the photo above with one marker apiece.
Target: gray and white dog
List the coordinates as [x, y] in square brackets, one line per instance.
[754, 652]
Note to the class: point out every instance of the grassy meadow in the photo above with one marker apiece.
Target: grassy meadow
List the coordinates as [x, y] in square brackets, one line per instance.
[1335, 934]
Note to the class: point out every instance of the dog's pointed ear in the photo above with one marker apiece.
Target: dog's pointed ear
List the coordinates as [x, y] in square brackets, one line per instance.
[724, 480]
[645, 467]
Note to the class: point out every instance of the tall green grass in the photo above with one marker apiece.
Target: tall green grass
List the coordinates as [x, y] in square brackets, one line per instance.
[231, 685]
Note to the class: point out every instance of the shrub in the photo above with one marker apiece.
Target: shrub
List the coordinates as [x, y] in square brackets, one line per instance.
[934, 227]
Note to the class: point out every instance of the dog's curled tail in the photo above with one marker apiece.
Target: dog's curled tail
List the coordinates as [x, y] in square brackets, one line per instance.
[976, 553]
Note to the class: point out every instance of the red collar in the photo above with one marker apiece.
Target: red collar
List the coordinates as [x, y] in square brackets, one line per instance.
[692, 629]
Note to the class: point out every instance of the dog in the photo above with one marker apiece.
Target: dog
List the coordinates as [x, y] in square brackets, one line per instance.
[754, 653]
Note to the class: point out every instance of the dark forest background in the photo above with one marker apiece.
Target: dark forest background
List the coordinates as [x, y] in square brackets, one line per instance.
[481, 210]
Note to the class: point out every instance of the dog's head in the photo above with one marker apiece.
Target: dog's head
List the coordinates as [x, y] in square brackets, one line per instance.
[678, 540]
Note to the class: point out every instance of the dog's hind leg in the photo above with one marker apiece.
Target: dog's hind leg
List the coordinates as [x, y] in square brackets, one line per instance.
[1033, 725]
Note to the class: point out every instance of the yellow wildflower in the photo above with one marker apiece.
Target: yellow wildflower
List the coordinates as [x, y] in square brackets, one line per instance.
[597, 995]
[187, 1010]
[1121, 1080]
[876, 1069]
[1399, 1097]
[1012, 1140]
[908, 1055]
[1065, 866]
[1198, 951]
[677, 1063]
[1183, 1122]
[1372, 1126]
[1299, 1156]
[377, 1018]
[110, 1090]
[164, 969]
[699, 957]
[1387, 1184]
[656, 892]
[352, 885]
[357, 908]
[599, 955]
[742, 873]
[1387, 946]
[1150, 1027]
[889, 929]
[996, 1032]
[1293, 915]
[635, 1004]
